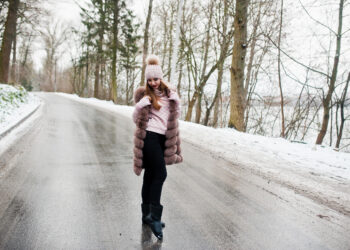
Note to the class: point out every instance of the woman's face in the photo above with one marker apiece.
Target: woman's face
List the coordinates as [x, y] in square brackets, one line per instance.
[154, 83]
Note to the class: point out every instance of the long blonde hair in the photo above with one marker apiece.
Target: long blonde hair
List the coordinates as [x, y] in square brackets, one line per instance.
[154, 98]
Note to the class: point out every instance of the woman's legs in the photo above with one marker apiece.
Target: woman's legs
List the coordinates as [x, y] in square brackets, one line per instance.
[146, 186]
[153, 179]
[155, 170]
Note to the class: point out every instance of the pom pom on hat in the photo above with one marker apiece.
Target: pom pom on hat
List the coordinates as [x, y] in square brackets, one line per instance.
[152, 60]
[153, 69]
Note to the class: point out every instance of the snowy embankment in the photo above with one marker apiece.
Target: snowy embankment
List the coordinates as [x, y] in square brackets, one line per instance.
[15, 105]
[316, 172]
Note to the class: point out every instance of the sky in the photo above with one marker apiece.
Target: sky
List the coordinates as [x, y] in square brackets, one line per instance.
[68, 10]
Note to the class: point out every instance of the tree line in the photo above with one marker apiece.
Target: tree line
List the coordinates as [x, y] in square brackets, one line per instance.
[230, 51]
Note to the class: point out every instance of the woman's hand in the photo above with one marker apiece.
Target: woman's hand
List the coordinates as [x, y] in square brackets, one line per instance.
[145, 100]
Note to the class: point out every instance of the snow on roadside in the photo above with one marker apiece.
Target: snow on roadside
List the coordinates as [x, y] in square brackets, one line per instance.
[15, 104]
[317, 172]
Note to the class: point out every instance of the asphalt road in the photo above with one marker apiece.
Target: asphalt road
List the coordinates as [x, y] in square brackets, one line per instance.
[69, 184]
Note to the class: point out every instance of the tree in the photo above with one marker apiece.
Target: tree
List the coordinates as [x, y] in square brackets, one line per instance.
[30, 16]
[100, 30]
[145, 42]
[262, 18]
[54, 35]
[224, 34]
[341, 104]
[327, 99]
[279, 69]
[8, 38]
[237, 102]
[128, 53]
[115, 30]
[205, 60]
[200, 65]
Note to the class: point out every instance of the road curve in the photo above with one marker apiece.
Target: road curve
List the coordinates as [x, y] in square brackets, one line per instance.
[69, 184]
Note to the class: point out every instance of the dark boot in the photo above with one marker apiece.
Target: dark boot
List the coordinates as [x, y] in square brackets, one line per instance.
[155, 218]
[145, 211]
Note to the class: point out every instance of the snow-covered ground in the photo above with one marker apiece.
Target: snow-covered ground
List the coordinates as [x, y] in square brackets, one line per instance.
[15, 104]
[317, 172]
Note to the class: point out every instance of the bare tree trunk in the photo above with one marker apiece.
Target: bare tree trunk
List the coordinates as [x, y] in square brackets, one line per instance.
[237, 101]
[279, 71]
[342, 118]
[86, 82]
[105, 93]
[26, 50]
[114, 50]
[331, 126]
[181, 59]
[127, 87]
[198, 89]
[190, 108]
[205, 60]
[180, 70]
[7, 40]
[177, 39]
[55, 75]
[223, 51]
[165, 41]
[145, 43]
[74, 77]
[216, 109]
[99, 55]
[14, 52]
[170, 43]
[217, 96]
[97, 77]
[327, 100]
[199, 108]
[247, 87]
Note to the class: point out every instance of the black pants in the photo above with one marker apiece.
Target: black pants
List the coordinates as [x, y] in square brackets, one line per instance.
[155, 170]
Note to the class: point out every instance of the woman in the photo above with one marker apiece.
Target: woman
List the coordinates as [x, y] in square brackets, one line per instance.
[156, 140]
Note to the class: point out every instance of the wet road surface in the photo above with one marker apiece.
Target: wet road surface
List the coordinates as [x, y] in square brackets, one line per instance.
[69, 184]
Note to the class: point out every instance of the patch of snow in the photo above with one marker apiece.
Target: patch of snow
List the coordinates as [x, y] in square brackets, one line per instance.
[15, 104]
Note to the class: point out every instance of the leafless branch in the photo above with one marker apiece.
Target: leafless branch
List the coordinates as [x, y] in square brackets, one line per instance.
[297, 80]
[345, 31]
[316, 19]
[296, 61]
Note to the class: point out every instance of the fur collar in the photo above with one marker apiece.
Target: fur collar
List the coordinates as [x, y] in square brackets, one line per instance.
[139, 93]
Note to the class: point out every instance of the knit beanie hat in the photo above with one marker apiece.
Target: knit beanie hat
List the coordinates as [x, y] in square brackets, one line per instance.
[153, 69]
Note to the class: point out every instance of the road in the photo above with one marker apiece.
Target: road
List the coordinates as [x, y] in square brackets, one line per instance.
[69, 184]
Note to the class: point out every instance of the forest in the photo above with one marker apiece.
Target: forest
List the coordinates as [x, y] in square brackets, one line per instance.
[276, 68]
